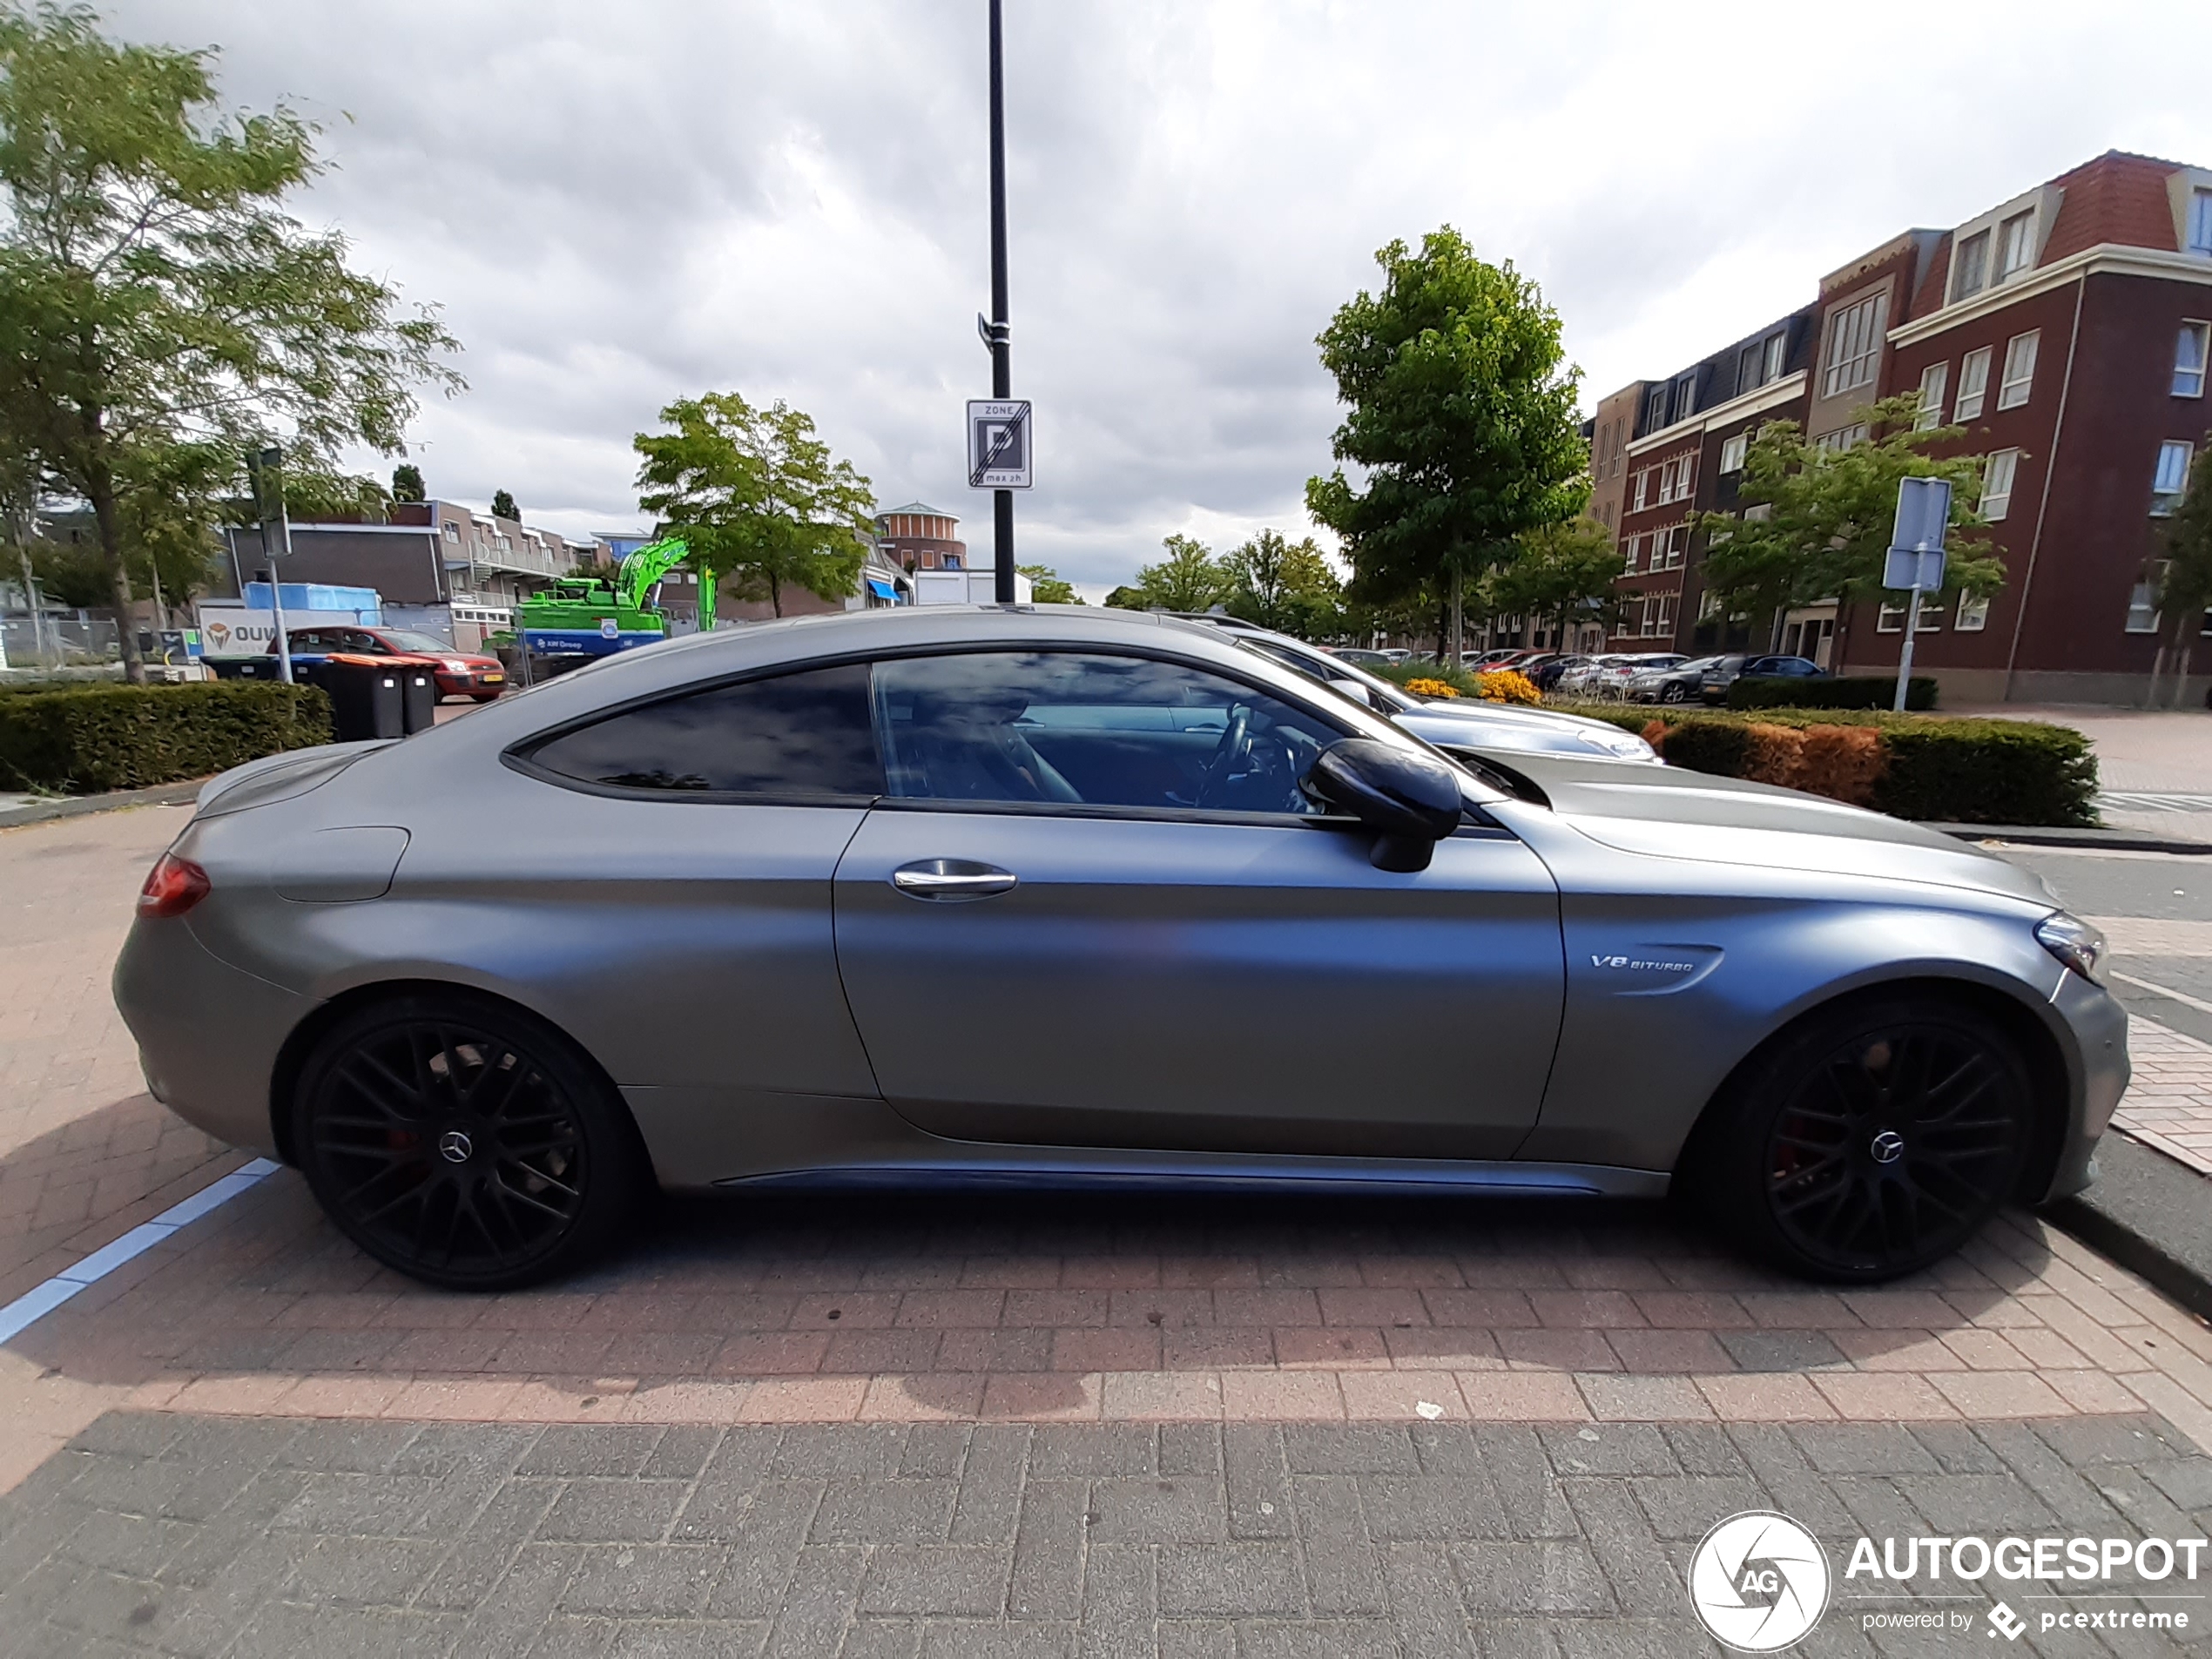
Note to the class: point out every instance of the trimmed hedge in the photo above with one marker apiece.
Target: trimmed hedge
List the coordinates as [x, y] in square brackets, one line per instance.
[1859, 691]
[128, 737]
[1923, 768]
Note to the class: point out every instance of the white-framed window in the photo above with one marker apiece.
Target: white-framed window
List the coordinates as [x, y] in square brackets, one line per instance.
[452, 531]
[1748, 377]
[1640, 492]
[1634, 556]
[1677, 546]
[1733, 451]
[2020, 369]
[2142, 608]
[1854, 345]
[1658, 620]
[1973, 384]
[1843, 438]
[1931, 620]
[1973, 612]
[2201, 221]
[1777, 350]
[1997, 483]
[1935, 380]
[1970, 270]
[2189, 354]
[2172, 477]
[2015, 245]
[1685, 396]
[1889, 619]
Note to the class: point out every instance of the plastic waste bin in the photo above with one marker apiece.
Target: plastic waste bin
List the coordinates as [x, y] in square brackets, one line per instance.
[418, 692]
[366, 697]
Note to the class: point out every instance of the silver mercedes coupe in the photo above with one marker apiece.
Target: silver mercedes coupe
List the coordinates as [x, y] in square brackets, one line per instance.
[1057, 895]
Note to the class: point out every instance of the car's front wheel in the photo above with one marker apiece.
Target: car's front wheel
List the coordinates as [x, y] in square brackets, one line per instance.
[1875, 1139]
[464, 1143]
[1677, 691]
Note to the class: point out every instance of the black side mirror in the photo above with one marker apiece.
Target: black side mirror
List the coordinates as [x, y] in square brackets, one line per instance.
[1410, 801]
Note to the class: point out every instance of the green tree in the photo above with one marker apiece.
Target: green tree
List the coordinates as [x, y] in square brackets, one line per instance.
[153, 291]
[1046, 587]
[1125, 598]
[1284, 585]
[406, 483]
[2184, 581]
[761, 501]
[1463, 422]
[1564, 574]
[502, 506]
[1190, 578]
[1821, 518]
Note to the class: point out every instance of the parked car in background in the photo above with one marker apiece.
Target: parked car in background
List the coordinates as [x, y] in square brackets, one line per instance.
[460, 673]
[1848, 1040]
[1677, 684]
[1605, 677]
[1546, 675]
[1362, 656]
[1726, 670]
[1449, 723]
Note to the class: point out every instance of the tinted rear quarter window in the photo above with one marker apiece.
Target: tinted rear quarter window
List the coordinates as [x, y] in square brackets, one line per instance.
[805, 736]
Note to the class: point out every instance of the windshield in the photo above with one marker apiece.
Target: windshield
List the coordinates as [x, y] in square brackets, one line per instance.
[406, 640]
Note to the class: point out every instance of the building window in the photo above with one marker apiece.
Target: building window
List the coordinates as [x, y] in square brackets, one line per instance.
[1935, 380]
[1777, 348]
[1889, 619]
[1748, 377]
[2172, 479]
[1641, 492]
[1973, 612]
[1634, 556]
[1659, 616]
[1843, 438]
[1655, 409]
[1685, 397]
[1997, 483]
[2015, 245]
[2142, 609]
[1972, 273]
[2189, 352]
[1733, 451]
[1677, 546]
[1854, 345]
[2020, 369]
[1973, 384]
[453, 531]
[2201, 222]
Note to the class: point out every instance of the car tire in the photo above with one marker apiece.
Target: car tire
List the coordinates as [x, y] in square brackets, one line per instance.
[1843, 1153]
[465, 1142]
[1676, 692]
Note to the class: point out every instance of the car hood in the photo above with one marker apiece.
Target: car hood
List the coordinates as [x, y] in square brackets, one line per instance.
[1500, 725]
[1665, 811]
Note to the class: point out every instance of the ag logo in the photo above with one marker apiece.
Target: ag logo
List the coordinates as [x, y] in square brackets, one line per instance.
[1759, 1581]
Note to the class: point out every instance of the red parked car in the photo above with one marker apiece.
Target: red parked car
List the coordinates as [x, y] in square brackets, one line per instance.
[461, 673]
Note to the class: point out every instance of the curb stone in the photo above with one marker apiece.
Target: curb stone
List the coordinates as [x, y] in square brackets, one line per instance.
[2149, 1214]
[113, 801]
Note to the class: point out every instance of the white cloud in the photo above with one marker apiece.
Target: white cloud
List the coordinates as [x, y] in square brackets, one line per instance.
[618, 206]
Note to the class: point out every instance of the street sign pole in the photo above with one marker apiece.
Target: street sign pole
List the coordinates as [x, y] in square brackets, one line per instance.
[1001, 350]
[1916, 559]
[267, 469]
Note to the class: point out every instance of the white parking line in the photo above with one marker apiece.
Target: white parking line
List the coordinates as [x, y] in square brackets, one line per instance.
[41, 1299]
[2163, 990]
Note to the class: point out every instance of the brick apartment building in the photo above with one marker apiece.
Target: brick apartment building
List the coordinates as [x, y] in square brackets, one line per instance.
[2065, 329]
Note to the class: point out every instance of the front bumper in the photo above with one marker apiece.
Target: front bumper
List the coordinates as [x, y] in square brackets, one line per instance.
[475, 683]
[2099, 1027]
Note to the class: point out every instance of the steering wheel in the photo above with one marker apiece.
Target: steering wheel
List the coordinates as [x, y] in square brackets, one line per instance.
[1235, 746]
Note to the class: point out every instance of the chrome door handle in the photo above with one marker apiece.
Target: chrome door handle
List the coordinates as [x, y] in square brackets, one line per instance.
[952, 878]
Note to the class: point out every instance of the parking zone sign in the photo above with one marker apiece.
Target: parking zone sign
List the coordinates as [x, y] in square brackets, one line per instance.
[998, 444]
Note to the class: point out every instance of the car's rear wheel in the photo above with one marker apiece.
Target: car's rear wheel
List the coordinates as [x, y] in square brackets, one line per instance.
[1677, 691]
[1874, 1140]
[464, 1142]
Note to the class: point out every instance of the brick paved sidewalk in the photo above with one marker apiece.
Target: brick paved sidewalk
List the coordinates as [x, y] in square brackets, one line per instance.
[2169, 1104]
[205, 1535]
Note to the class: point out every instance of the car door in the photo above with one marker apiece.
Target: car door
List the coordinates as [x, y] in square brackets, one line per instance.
[668, 901]
[1094, 909]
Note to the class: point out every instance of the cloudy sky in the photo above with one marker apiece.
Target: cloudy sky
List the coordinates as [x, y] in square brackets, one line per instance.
[620, 205]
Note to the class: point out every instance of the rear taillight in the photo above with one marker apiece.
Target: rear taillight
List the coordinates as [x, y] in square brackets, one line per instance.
[173, 886]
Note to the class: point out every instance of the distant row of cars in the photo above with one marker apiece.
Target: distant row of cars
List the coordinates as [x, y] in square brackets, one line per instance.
[1644, 676]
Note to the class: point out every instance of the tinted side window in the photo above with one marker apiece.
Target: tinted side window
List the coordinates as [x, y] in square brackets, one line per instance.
[1082, 728]
[805, 734]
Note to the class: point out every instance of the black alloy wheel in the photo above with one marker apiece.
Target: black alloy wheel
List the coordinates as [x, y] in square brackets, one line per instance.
[1881, 1140]
[461, 1143]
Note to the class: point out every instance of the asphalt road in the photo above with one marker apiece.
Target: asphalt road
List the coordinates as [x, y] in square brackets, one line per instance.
[2154, 886]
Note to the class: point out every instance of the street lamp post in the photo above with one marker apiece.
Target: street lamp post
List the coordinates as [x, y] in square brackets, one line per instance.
[267, 469]
[1001, 350]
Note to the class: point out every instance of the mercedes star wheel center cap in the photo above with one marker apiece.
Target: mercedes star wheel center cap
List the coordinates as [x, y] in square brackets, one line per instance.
[1888, 1147]
[456, 1146]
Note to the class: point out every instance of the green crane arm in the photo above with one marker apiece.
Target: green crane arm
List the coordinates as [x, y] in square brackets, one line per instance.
[638, 571]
